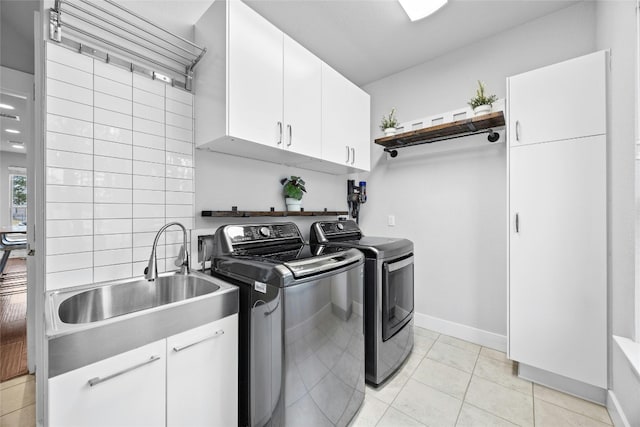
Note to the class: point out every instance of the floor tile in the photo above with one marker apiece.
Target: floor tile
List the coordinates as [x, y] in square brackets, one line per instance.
[502, 373]
[395, 418]
[501, 401]
[572, 403]
[470, 416]
[494, 354]
[465, 345]
[442, 377]
[427, 405]
[427, 333]
[453, 356]
[25, 417]
[550, 415]
[16, 397]
[371, 412]
[422, 345]
[412, 362]
[18, 380]
[389, 390]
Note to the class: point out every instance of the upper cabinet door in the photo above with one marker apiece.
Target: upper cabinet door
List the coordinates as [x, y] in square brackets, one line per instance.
[255, 61]
[345, 121]
[302, 102]
[542, 103]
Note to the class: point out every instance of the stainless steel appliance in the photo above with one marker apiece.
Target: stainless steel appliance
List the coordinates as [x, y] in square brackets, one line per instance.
[301, 325]
[388, 293]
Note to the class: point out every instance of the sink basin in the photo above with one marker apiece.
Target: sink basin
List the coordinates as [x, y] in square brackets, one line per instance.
[118, 299]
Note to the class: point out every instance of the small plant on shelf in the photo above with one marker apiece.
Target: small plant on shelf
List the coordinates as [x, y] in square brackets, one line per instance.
[481, 103]
[389, 123]
[293, 189]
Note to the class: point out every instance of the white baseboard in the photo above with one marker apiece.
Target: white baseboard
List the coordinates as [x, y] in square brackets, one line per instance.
[615, 411]
[464, 332]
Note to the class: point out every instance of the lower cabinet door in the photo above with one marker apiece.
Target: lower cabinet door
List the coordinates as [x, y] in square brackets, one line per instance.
[123, 390]
[202, 375]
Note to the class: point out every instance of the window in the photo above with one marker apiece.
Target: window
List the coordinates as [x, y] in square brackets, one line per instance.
[18, 195]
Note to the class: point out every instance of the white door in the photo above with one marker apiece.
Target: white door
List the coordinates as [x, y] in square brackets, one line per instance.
[202, 375]
[360, 131]
[557, 283]
[336, 115]
[302, 103]
[123, 390]
[254, 99]
[561, 101]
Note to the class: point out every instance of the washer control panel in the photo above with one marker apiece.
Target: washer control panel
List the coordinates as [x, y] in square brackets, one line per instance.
[262, 233]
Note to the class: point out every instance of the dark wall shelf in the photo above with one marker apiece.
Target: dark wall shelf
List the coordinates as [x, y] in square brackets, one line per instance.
[480, 124]
[247, 214]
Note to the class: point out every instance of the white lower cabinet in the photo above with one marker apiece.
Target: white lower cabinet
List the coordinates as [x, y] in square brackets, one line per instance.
[206, 396]
[123, 390]
[188, 379]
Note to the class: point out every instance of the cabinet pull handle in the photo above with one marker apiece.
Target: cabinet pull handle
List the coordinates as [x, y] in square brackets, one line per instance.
[353, 155]
[290, 135]
[97, 380]
[517, 222]
[517, 130]
[280, 131]
[348, 153]
[184, 347]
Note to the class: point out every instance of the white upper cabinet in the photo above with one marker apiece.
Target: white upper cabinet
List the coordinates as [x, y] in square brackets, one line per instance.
[302, 91]
[550, 103]
[345, 122]
[259, 94]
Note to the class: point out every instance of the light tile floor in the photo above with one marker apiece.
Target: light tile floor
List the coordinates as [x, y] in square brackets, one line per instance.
[450, 382]
[445, 382]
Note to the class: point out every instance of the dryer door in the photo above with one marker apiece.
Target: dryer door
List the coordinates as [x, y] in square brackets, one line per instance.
[397, 295]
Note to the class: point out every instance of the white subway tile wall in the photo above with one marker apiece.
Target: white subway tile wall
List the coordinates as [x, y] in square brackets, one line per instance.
[119, 157]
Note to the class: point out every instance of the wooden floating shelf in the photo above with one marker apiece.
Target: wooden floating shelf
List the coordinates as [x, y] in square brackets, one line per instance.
[479, 124]
[247, 214]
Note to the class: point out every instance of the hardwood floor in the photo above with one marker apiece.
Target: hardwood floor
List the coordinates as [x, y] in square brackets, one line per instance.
[13, 320]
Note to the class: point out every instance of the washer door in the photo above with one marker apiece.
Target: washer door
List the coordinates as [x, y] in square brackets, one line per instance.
[397, 295]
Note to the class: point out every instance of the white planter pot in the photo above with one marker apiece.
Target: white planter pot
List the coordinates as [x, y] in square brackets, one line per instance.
[293, 205]
[482, 109]
[389, 131]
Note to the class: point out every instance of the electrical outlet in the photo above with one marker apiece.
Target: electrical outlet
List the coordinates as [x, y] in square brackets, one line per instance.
[391, 220]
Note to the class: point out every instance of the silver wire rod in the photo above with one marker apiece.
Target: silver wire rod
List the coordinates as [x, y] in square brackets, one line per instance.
[133, 25]
[114, 4]
[161, 53]
[123, 29]
[124, 49]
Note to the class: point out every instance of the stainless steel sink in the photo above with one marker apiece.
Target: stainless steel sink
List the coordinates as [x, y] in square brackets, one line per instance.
[116, 300]
[89, 323]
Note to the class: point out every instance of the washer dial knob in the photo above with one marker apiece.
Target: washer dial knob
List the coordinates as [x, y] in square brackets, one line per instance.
[340, 227]
[265, 232]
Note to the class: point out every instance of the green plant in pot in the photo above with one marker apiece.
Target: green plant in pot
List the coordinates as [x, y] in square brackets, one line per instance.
[293, 190]
[389, 123]
[482, 103]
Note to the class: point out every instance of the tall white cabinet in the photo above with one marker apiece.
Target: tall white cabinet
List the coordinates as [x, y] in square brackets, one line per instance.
[557, 219]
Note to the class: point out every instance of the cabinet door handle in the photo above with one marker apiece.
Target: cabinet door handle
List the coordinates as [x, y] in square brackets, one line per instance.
[517, 130]
[290, 135]
[280, 131]
[97, 380]
[517, 223]
[348, 153]
[184, 347]
[353, 155]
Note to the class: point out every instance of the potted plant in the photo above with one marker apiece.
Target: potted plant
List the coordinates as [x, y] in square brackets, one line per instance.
[481, 103]
[389, 123]
[293, 190]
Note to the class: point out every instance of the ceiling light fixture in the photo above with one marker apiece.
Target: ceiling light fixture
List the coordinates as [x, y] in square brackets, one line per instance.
[418, 9]
[18, 145]
[12, 131]
[7, 107]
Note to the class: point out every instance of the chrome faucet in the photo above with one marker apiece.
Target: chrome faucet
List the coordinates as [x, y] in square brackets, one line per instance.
[151, 272]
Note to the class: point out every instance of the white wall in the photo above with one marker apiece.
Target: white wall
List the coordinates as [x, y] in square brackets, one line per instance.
[452, 202]
[8, 159]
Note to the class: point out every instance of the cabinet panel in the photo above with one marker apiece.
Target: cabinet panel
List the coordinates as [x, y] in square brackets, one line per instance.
[135, 397]
[255, 61]
[302, 104]
[202, 375]
[557, 291]
[561, 101]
